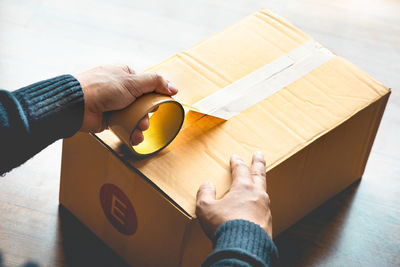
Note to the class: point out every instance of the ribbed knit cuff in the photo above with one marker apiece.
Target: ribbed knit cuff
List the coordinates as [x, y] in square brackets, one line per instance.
[53, 107]
[242, 240]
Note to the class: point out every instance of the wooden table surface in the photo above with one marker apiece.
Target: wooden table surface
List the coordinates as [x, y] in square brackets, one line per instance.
[43, 38]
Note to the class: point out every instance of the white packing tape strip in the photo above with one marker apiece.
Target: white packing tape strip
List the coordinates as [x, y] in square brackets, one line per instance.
[260, 84]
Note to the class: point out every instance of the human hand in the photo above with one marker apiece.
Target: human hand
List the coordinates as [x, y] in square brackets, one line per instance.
[247, 199]
[114, 87]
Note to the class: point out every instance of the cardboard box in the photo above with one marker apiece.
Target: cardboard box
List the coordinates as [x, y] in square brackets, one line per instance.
[316, 134]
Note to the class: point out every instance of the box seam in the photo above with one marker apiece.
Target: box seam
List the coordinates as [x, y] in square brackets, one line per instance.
[373, 130]
[151, 183]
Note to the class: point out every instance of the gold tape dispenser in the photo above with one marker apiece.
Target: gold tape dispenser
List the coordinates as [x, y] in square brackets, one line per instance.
[165, 123]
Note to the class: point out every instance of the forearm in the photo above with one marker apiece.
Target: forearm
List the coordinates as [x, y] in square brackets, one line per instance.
[241, 243]
[35, 116]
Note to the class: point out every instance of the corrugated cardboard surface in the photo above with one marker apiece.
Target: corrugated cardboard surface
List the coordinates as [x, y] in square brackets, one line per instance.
[86, 166]
[316, 135]
[279, 126]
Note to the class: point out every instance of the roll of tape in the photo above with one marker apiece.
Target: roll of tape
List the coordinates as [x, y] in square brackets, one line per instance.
[165, 123]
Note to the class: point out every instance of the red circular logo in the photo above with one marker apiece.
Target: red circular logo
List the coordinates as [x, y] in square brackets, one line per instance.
[118, 209]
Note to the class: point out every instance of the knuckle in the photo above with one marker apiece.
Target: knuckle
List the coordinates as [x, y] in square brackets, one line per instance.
[133, 86]
[127, 69]
[260, 196]
[265, 198]
[202, 203]
[262, 161]
[238, 164]
[255, 201]
[157, 78]
[259, 174]
[246, 186]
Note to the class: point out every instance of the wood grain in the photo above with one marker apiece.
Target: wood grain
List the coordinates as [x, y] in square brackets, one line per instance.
[44, 38]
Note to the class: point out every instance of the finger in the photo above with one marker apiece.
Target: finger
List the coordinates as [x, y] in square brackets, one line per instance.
[154, 109]
[144, 123]
[152, 82]
[137, 137]
[258, 170]
[240, 172]
[172, 88]
[206, 193]
[127, 69]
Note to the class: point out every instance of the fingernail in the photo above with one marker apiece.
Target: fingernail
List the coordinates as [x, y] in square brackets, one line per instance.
[258, 154]
[235, 157]
[172, 88]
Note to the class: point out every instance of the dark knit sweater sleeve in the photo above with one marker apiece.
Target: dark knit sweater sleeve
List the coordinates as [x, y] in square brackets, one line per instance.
[241, 243]
[35, 116]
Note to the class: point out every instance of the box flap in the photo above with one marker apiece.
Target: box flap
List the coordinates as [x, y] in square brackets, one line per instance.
[279, 125]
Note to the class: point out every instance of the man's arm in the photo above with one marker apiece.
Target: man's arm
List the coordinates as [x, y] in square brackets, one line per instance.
[241, 243]
[35, 116]
[240, 223]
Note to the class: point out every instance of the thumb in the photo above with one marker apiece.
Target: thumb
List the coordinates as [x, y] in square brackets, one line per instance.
[206, 193]
[152, 82]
